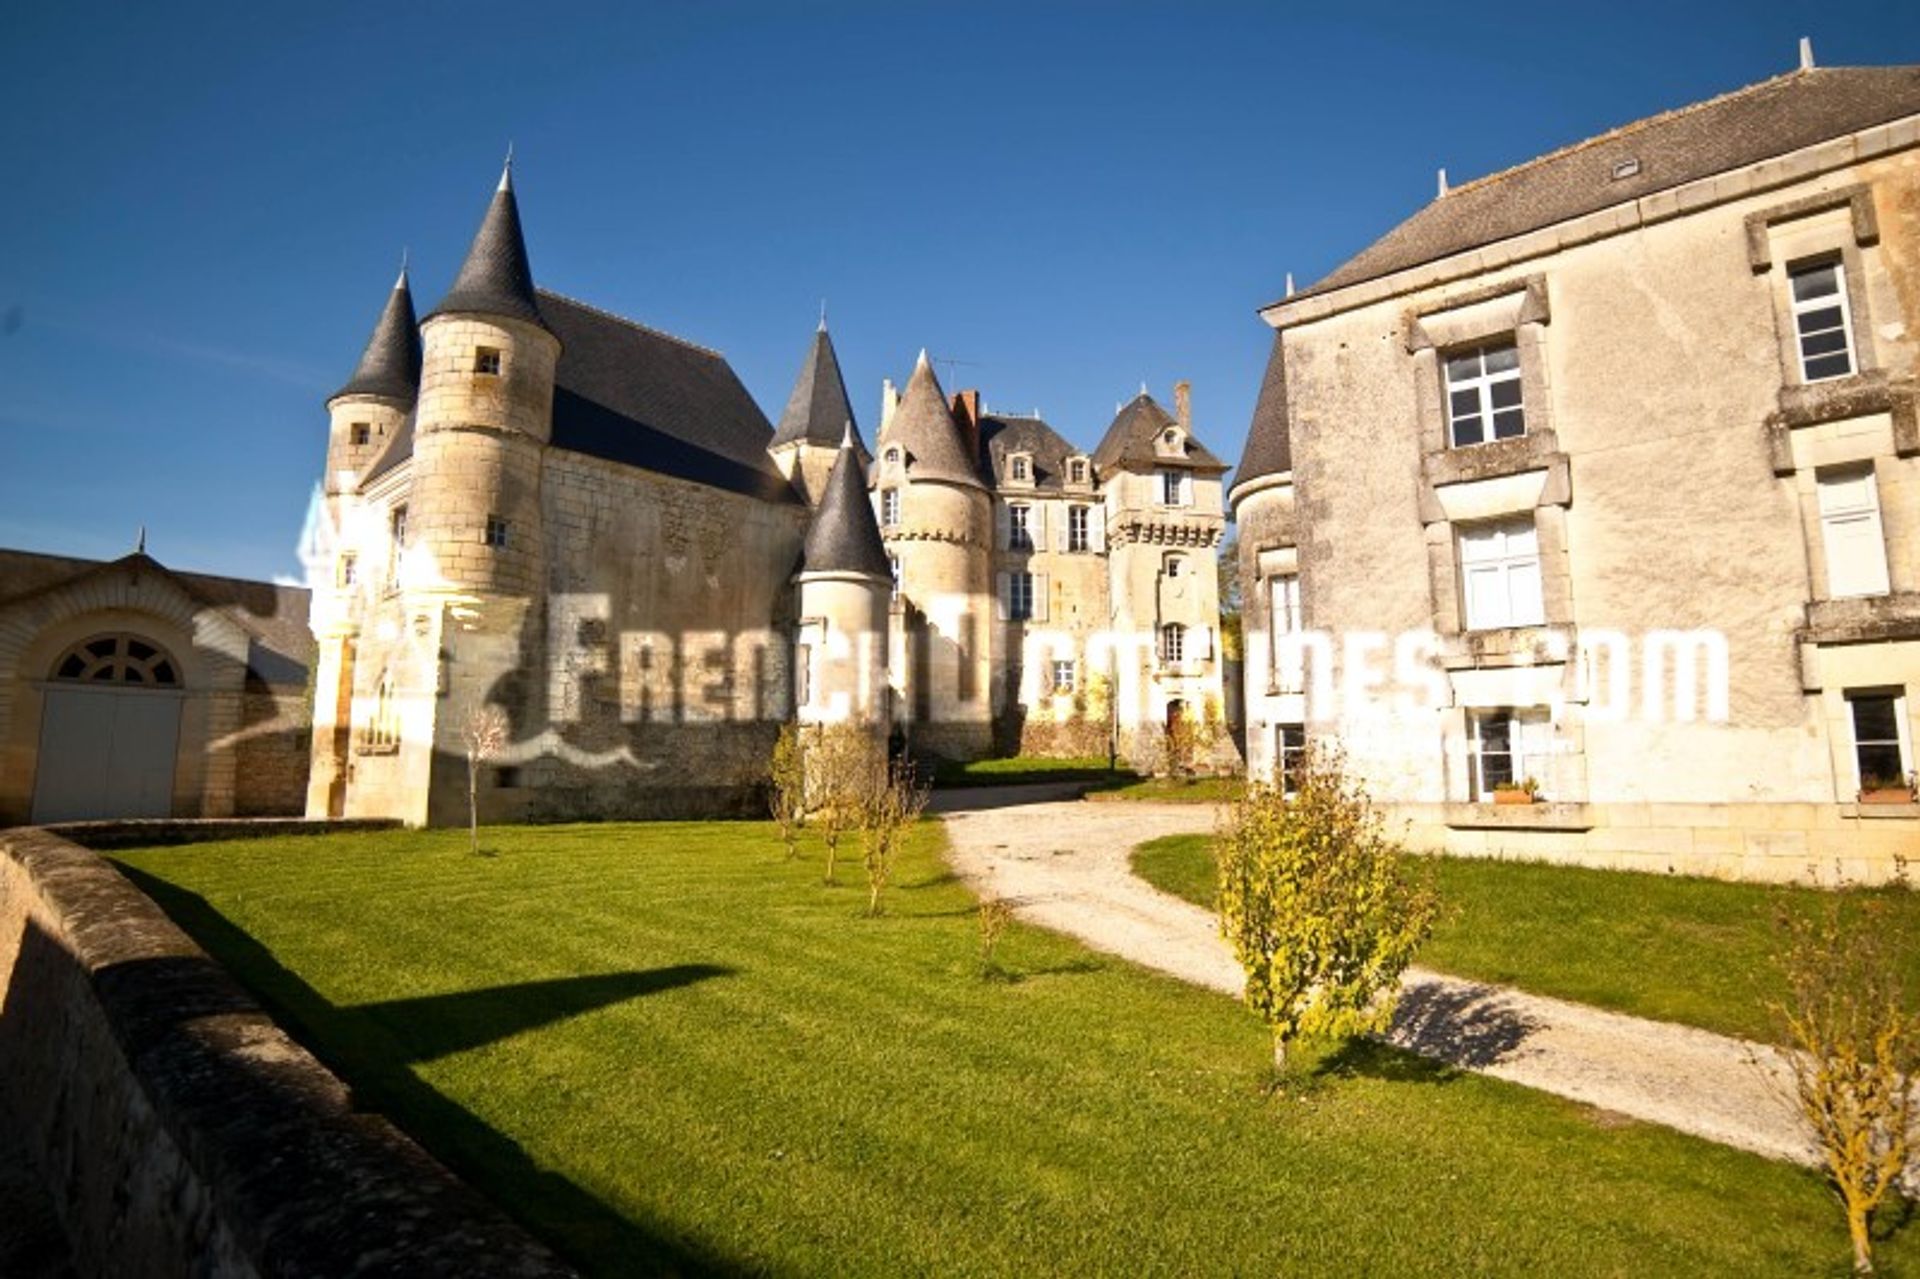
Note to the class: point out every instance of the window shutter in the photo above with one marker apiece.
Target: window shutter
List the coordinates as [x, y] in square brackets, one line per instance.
[1523, 586]
[1097, 528]
[1856, 555]
[1486, 600]
[1039, 597]
[1002, 529]
[1064, 518]
[1200, 640]
[1037, 525]
[1003, 592]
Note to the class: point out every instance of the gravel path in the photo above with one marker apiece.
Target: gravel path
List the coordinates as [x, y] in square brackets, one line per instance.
[1064, 865]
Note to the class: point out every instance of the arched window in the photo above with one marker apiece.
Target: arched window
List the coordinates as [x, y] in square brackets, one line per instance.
[118, 659]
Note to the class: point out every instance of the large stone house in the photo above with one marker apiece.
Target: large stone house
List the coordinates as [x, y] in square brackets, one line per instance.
[1604, 471]
[534, 505]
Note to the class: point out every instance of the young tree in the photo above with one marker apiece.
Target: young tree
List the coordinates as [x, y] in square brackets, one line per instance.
[1320, 907]
[787, 787]
[893, 801]
[841, 761]
[485, 736]
[1850, 1017]
[994, 915]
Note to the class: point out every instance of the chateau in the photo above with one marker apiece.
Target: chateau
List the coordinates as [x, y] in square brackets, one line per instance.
[533, 505]
[1603, 473]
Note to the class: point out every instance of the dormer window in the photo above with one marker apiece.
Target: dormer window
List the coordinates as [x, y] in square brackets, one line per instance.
[893, 456]
[1171, 439]
[1077, 471]
[1019, 469]
[486, 361]
[360, 433]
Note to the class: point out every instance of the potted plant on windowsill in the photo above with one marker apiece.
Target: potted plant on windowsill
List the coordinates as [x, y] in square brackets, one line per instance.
[1886, 790]
[1523, 791]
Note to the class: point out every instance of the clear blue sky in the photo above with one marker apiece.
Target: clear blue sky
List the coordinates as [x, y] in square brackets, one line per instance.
[203, 208]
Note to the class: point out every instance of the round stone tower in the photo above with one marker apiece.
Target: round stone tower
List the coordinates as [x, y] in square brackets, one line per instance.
[846, 585]
[366, 413]
[937, 521]
[484, 418]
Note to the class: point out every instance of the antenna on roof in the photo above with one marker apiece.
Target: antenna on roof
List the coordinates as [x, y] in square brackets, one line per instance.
[1443, 183]
[1806, 53]
[140, 542]
[1289, 284]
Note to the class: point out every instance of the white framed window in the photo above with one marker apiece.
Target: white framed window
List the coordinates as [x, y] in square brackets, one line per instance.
[1500, 574]
[1822, 323]
[1065, 676]
[486, 361]
[1173, 488]
[889, 508]
[1077, 538]
[893, 567]
[1077, 471]
[1882, 755]
[1175, 566]
[1283, 605]
[349, 570]
[396, 540]
[1851, 534]
[496, 532]
[1289, 755]
[1173, 642]
[1020, 596]
[803, 675]
[1019, 528]
[893, 456]
[1019, 469]
[360, 433]
[1507, 746]
[1483, 395]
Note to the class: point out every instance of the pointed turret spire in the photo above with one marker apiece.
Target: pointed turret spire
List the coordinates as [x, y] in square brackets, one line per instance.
[496, 278]
[845, 538]
[924, 426]
[818, 407]
[390, 366]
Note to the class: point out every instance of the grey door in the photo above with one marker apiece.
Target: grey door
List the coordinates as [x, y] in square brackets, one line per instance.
[106, 752]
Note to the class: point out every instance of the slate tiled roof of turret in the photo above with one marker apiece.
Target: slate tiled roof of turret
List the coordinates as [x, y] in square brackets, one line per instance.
[1129, 441]
[923, 424]
[1269, 450]
[1003, 433]
[630, 394]
[390, 366]
[844, 536]
[496, 278]
[818, 410]
[1725, 133]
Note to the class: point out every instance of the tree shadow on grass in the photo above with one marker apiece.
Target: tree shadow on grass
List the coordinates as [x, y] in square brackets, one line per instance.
[372, 1046]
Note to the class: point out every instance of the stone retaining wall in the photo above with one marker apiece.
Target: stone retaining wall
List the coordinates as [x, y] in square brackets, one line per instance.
[182, 1132]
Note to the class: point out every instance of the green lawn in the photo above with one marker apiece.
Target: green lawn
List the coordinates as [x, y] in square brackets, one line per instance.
[1698, 951]
[1016, 770]
[665, 1046]
[1172, 790]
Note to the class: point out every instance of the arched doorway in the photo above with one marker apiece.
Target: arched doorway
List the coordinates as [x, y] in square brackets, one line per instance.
[109, 731]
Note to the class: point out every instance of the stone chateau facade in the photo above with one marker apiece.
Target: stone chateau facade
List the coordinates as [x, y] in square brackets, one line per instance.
[1604, 472]
[534, 505]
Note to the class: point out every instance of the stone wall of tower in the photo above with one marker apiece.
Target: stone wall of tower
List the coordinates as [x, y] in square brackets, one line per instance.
[806, 466]
[843, 637]
[943, 659]
[346, 460]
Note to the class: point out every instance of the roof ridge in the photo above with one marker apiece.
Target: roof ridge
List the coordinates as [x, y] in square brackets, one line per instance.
[1634, 126]
[630, 323]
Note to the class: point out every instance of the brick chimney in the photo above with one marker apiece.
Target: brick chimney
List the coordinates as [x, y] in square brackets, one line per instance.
[1183, 405]
[966, 411]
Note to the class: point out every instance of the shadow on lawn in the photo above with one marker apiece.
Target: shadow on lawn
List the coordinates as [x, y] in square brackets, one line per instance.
[372, 1045]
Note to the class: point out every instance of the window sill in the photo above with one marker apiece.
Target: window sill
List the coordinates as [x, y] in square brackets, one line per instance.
[376, 748]
[1881, 812]
[1538, 816]
[1864, 619]
[1500, 646]
[1534, 451]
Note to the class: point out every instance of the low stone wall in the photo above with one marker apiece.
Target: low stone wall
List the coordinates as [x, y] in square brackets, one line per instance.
[182, 1131]
[158, 832]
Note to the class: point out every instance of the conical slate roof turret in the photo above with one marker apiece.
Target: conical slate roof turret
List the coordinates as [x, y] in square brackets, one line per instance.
[924, 426]
[496, 279]
[1269, 449]
[818, 409]
[390, 366]
[845, 538]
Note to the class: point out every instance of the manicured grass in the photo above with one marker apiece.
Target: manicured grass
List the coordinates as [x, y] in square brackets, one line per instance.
[665, 1046]
[1698, 951]
[1019, 770]
[1172, 790]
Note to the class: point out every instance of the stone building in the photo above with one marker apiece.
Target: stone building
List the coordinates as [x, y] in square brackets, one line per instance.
[131, 690]
[1601, 471]
[533, 505]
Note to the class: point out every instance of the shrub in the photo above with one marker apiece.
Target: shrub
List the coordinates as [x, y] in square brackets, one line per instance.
[1319, 905]
[994, 915]
[787, 786]
[841, 763]
[891, 801]
[1850, 1017]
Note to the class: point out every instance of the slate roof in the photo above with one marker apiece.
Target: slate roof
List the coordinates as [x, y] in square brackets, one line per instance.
[630, 394]
[818, 411]
[1269, 449]
[496, 278]
[390, 366]
[923, 424]
[274, 616]
[1724, 133]
[845, 537]
[1129, 441]
[1001, 434]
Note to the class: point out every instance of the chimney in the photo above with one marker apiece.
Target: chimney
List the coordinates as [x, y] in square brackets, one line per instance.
[889, 401]
[966, 411]
[1183, 404]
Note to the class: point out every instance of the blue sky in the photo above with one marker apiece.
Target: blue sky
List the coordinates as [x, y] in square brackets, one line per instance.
[204, 207]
